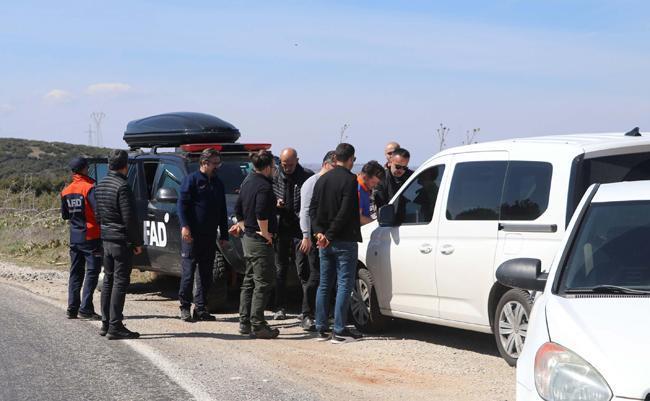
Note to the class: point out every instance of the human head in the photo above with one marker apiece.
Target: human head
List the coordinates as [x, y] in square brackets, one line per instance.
[79, 165]
[400, 162]
[345, 155]
[118, 161]
[209, 161]
[372, 173]
[263, 162]
[329, 161]
[289, 160]
[389, 149]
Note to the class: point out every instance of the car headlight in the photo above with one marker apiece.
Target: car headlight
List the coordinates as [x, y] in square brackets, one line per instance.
[561, 375]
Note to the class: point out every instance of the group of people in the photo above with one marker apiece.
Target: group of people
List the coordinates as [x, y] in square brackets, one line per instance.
[286, 216]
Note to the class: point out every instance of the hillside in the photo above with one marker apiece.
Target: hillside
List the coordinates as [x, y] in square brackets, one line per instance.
[40, 165]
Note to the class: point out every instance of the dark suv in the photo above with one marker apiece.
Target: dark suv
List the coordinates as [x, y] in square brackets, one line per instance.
[155, 177]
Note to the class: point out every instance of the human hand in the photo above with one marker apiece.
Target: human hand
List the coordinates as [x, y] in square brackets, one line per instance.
[137, 250]
[267, 236]
[186, 234]
[305, 245]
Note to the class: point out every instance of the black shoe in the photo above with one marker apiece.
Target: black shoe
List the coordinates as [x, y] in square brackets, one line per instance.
[186, 316]
[265, 332]
[203, 315]
[90, 316]
[244, 328]
[346, 336]
[307, 324]
[121, 333]
[71, 314]
[323, 336]
[104, 329]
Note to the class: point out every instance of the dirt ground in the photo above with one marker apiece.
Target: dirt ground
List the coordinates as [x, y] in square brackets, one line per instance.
[411, 361]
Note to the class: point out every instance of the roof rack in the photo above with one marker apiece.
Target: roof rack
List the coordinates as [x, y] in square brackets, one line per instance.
[225, 147]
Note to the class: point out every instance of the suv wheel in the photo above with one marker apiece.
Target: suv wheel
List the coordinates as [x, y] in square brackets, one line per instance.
[511, 323]
[364, 307]
[217, 297]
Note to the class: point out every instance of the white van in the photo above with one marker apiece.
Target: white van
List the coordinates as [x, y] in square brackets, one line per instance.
[433, 253]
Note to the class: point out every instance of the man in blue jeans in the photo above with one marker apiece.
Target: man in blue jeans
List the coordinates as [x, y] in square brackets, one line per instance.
[334, 212]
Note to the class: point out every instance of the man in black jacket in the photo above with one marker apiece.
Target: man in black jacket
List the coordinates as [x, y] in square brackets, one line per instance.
[287, 182]
[334, 213]
[397, 173]
[122, 238]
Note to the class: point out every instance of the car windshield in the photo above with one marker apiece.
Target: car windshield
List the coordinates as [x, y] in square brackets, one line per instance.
[232, 172]
[611, 250]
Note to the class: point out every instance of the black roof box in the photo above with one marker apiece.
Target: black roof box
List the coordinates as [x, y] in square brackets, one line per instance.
[175, 129]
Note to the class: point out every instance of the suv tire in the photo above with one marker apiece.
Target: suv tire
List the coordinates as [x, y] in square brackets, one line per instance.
[364, 308]
[510, 325]
[217, 298]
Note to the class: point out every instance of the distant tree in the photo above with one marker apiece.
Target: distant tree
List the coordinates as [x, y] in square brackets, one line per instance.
[470, 136]
[442, 133]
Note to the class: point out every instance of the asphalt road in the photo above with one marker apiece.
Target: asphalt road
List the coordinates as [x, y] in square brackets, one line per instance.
[44, 356]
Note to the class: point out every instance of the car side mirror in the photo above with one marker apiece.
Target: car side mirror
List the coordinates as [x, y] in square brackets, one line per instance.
[387, 216]
[168, 195]
[524, 273]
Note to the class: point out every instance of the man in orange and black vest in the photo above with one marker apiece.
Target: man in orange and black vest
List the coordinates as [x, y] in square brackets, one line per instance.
[78, 207]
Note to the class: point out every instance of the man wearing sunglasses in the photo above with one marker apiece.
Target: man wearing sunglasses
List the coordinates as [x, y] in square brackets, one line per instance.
[201, 210]
[397, 174]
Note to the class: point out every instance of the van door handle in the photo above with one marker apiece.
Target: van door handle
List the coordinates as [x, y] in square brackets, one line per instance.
[426, 248]
[446, 249]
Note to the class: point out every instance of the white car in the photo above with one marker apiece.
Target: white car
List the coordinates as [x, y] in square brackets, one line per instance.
[433, 254]
[588, 331]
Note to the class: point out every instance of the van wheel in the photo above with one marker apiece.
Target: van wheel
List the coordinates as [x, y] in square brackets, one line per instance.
[364, 307]
[217, 297]
[511, 323]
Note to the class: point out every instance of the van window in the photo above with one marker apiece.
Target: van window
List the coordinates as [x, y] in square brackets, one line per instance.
[475, 192]
[150, 168]
[171, 176]
[417, 202]
[526, 191]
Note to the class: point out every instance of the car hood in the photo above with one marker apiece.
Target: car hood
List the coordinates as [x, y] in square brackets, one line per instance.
[609, 332]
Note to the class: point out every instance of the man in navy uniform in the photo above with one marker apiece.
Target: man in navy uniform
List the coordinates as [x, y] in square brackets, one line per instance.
[201, 210]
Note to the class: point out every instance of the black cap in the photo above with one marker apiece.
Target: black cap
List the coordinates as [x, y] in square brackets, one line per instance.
[77, 164]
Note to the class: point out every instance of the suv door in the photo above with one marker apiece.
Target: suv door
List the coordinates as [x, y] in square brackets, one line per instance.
[467, 236]
[161, 227]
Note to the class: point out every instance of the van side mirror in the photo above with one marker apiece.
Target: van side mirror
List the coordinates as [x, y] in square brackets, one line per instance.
[524, 273]
[167, 195]
[387, 216]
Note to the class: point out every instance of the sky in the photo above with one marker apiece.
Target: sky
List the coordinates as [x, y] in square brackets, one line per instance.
[293, 73]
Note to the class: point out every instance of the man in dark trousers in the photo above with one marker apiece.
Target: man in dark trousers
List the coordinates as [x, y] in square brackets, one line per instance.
[397, 173]
[122, 238]
[335, 220]
[256, 215]
[78, 207]
[287, 182]
[201, 210]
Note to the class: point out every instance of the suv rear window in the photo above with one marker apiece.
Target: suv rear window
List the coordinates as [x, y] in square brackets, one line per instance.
[232, 172]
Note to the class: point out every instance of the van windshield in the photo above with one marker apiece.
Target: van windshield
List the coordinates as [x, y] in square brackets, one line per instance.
[610, 249]
[232, 172]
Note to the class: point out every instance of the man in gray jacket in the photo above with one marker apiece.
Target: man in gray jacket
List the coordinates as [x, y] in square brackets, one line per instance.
[122, 238]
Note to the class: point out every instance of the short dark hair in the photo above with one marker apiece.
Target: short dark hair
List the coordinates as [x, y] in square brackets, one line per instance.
[373, 169]
[262, 159]
[330, 157]
[117, 159]
[207, 154]
[402, 153]
[344, 152]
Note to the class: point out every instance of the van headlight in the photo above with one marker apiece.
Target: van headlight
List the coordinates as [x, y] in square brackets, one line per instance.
[561, 375]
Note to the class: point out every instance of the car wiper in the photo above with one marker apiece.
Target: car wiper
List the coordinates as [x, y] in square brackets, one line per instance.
[607, 289]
